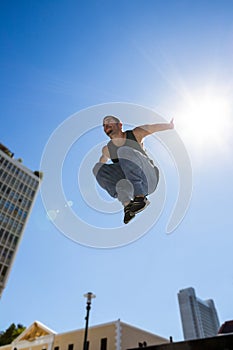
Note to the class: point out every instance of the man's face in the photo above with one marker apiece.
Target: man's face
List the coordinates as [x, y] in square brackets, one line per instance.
[111, 127]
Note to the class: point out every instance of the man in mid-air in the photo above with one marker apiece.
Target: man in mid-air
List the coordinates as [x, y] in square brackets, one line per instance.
[132, 175]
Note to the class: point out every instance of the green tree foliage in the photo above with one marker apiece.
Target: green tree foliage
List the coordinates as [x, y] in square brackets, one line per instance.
[12, 332]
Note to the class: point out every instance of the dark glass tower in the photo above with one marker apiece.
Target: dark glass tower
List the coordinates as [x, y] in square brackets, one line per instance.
[18, 189]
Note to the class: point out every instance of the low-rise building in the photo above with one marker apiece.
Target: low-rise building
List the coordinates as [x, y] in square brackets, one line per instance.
[115, 335]
[221, 342]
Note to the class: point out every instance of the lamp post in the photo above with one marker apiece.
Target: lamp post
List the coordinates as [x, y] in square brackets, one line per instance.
[89, 296]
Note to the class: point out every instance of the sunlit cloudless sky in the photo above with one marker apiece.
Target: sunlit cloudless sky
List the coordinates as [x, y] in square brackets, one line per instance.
[174, 57]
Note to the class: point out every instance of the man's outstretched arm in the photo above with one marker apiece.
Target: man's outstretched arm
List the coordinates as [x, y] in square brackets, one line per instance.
[144, 130]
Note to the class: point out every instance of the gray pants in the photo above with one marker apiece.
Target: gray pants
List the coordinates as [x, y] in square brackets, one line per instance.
[133, 175]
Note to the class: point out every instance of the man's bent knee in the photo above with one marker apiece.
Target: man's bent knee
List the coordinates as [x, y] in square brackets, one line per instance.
[126, 152]
[96, 168]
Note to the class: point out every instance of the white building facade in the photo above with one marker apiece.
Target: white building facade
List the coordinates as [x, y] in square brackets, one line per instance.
[114, 335]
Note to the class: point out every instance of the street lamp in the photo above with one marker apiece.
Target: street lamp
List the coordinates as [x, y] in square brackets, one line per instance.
[89, 296]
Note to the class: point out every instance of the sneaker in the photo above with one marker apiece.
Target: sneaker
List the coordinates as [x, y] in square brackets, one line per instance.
[138, 204]
[128, 214]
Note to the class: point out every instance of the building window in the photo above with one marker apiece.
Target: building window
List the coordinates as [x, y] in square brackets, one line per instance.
[56, 348]
[70, 346]
[103, 344]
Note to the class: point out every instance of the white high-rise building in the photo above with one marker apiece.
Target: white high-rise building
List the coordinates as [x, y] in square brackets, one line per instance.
[199, 317]
[18, 189]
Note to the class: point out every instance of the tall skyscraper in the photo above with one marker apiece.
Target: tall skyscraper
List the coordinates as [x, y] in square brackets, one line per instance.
[18, 189]
[199, 317]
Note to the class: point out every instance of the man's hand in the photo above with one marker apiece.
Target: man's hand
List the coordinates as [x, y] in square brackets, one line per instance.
[171, 124]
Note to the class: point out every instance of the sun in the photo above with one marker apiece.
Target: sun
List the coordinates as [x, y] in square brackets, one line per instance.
[204, 120]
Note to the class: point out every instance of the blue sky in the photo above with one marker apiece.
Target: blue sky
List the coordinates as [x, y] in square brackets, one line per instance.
[174, 57]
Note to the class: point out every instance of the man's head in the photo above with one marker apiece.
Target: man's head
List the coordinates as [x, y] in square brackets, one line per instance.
[112, 125]
[111, 118]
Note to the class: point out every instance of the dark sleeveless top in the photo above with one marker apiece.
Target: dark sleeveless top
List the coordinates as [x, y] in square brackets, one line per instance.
[130, 142]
